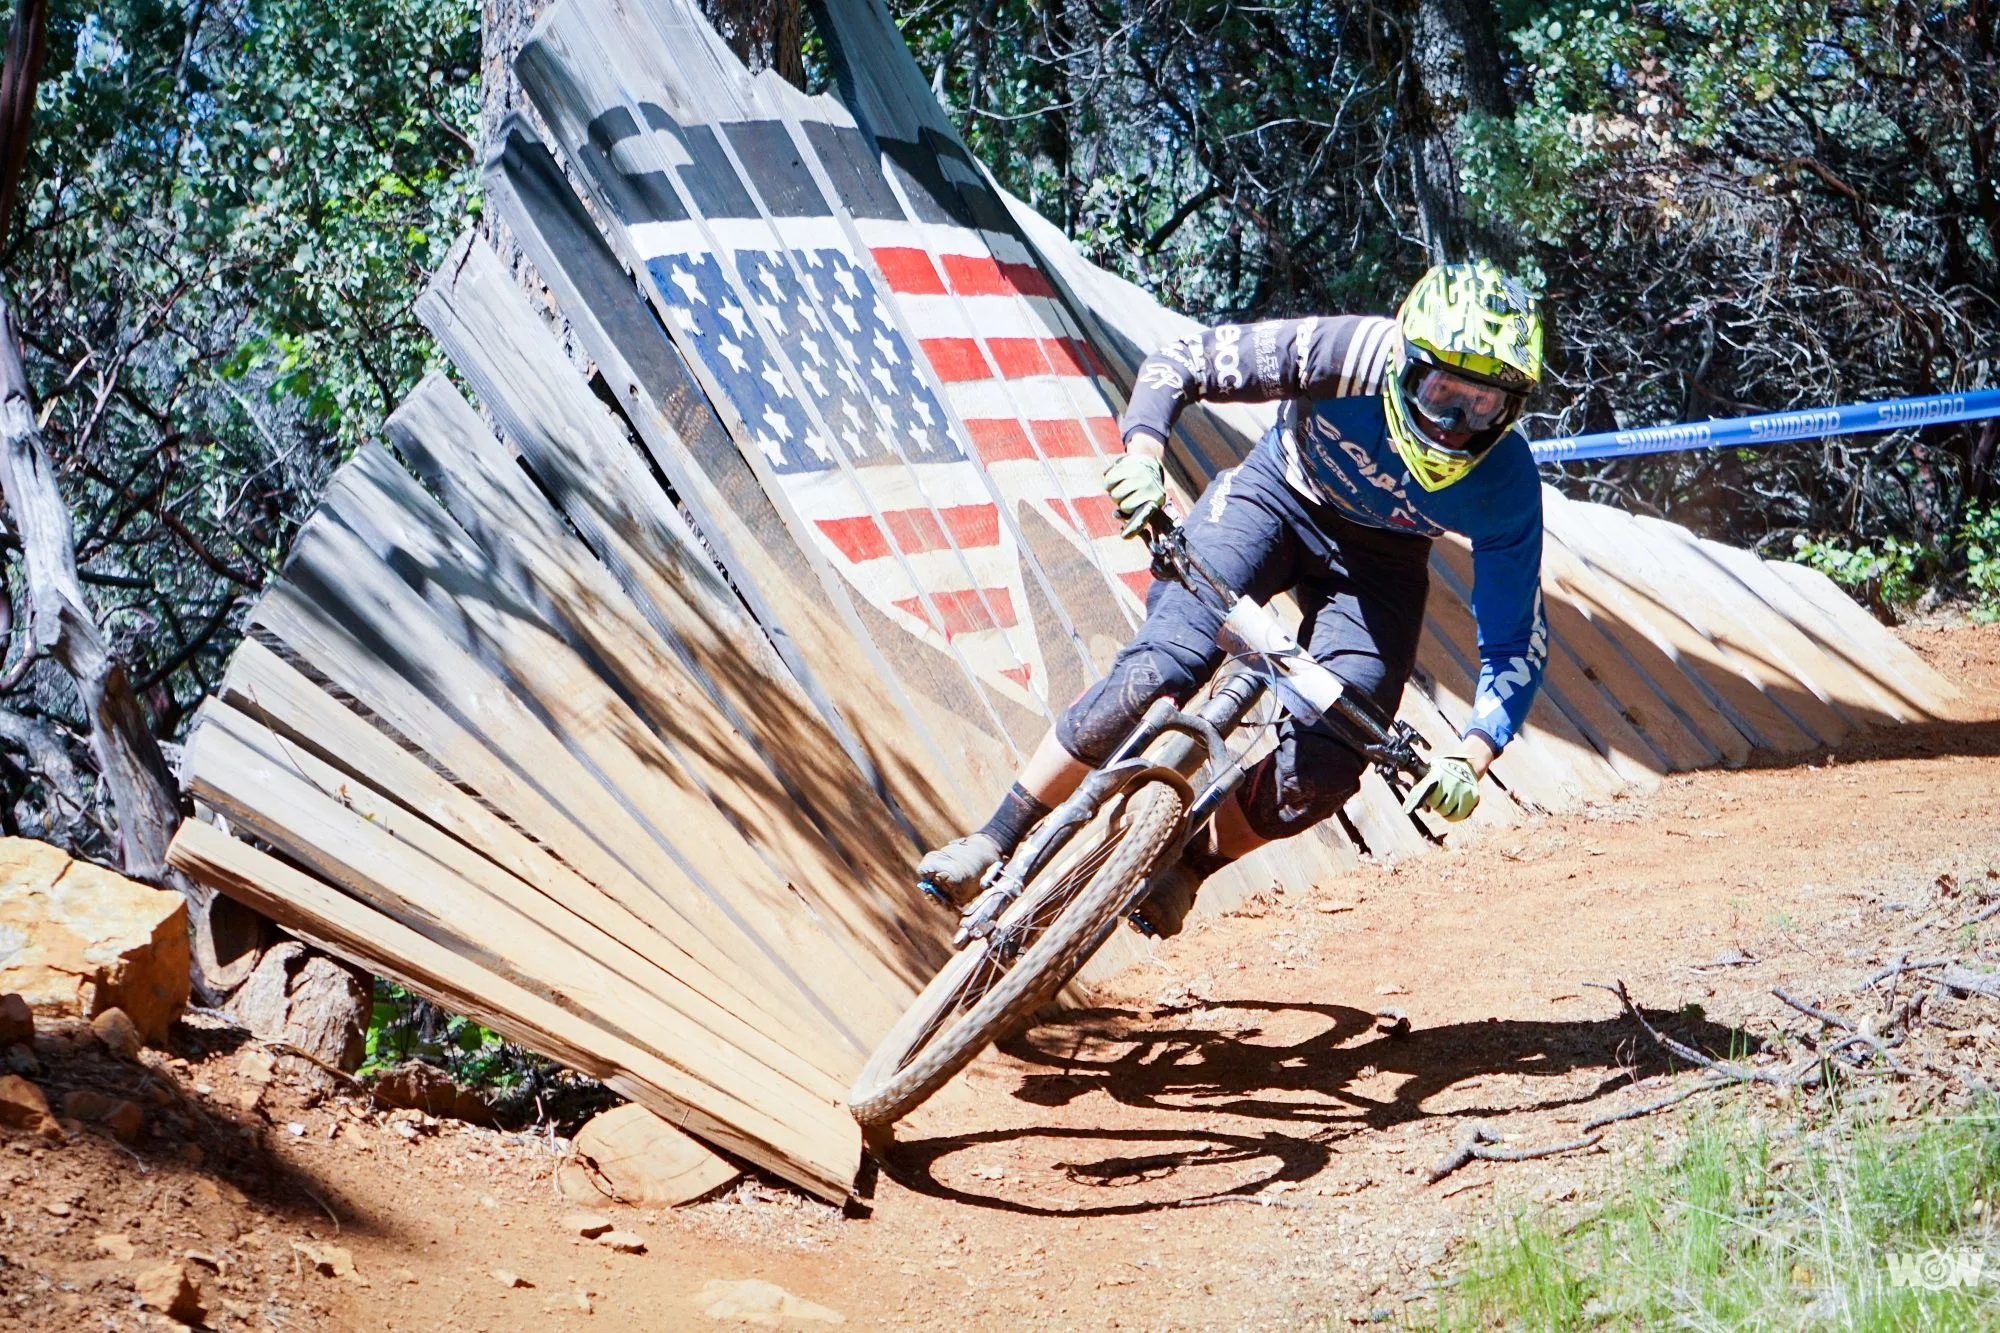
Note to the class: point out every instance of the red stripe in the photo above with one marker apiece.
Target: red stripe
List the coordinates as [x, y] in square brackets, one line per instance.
[1098, 514]
[964, 610]
[859, 539]
[1028, 280]
[1091, 358]
[1019, 358]
[915, 531]
[1061, 439]
[1067, 355]
[1106, 431]
[909, 271]
[1139, 581]
[1019, 675]
[999, 439]
[975, 275]
[956, 359]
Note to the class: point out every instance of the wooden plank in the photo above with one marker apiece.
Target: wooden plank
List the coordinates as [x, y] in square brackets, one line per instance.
[821, 643]
[341, 614]
[1851, 668]
[1915, 679]
[1728, 685]
[353, 761]
[652, 776]
[1549, 726]
[342, 829]
[1647, 568]
[1793, 670]
[1648, 656]
[1578, 694]
[849, 865]
[331, 920]
[642, 175]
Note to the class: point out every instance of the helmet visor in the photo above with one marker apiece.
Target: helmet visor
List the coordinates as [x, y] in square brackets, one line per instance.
[1455, 411]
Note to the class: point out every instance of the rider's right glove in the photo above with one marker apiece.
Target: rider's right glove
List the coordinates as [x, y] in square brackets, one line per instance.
[1137, 484]
[1450, 787]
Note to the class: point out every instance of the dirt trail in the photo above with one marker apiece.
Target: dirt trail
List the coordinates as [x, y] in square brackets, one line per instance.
[1095, 1174]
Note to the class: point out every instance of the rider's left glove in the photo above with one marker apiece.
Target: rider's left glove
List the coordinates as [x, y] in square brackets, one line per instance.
[1451, 788]
[1137, 484]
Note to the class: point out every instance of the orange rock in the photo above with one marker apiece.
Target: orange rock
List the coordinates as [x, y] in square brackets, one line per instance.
[79, 939]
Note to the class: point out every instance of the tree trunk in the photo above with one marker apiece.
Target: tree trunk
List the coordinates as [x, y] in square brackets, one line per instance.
[61, 624]
[1455, 58]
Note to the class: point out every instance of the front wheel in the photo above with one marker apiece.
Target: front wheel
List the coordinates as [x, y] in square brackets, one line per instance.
[1055, 926]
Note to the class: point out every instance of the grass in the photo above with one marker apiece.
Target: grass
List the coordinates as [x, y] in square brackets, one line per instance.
[1744, 1227]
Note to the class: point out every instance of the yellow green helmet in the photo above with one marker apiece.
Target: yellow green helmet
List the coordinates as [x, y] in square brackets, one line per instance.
[1470, 356]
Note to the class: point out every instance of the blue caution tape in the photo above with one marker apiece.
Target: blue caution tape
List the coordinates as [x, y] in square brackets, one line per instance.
[1774, 427]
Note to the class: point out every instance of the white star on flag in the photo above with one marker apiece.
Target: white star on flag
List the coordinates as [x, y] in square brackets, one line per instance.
[686, 282]
[733, 354]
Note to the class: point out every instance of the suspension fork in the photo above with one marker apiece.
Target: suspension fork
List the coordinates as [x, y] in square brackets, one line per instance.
[1195, 742]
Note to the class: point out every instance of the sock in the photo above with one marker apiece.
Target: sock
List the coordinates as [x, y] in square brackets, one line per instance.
[1017, 814]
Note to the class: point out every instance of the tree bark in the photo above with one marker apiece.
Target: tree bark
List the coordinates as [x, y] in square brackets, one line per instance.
[61, 624]
[1454, 56]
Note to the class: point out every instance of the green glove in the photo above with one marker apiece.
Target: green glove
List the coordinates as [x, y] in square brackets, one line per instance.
[1137, 484]
[1450, 787]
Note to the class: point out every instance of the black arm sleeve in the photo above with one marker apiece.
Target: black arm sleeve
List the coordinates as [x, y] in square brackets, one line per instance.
[1315, 357]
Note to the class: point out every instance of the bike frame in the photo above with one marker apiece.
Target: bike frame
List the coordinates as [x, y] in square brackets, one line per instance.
[1196, 758]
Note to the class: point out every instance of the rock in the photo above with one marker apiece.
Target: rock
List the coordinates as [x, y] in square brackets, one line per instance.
[625, 1242]
[113, 1245]
[328, 1260]
[168, 1289]
[21, 1059]
[22, 1104]
[420, 1087]
[84, 1104]
[309, 1001]
[79, 939]
[257, 1065]
[57, 1208]
[507, 1279]
[17, 1021]
[587, 1225]
[118, 1032]
[755, 1302]
[632, 1156]
[125, 1120]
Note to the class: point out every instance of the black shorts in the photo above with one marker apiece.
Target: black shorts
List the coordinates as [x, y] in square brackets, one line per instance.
[1361, 591]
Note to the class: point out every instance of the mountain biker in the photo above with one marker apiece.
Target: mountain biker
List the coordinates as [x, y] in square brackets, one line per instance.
[1390, 432]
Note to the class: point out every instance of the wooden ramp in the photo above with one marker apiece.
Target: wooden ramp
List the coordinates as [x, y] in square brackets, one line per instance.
[614, 710]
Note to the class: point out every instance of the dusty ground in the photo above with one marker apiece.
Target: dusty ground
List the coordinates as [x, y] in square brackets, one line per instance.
[1101, 1173]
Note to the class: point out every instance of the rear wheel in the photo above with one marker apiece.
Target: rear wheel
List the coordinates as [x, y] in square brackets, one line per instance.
[1057, 924]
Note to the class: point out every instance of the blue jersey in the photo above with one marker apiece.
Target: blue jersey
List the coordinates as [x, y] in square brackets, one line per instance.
[1332, 436]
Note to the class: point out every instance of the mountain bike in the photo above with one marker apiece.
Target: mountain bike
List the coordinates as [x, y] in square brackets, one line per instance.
[1046, 908]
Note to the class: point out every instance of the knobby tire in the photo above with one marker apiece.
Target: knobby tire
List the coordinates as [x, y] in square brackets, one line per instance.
[926, 1048]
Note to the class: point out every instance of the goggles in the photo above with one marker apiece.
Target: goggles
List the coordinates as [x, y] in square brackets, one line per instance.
[1447, 400]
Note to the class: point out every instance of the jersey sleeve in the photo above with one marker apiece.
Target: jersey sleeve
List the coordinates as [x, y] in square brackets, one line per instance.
[1507, 605]
[1315, 357]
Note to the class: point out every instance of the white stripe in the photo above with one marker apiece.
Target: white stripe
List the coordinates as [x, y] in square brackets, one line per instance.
[1376, 356]
[1302, 344]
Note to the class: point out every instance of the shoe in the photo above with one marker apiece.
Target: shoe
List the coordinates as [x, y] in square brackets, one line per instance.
[953, 872]
[1164, 910]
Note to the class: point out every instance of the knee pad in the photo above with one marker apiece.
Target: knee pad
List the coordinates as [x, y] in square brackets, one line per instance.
[1305, 780]
[1091, 728]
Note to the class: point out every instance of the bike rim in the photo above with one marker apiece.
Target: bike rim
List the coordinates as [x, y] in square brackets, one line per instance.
[1024, 923]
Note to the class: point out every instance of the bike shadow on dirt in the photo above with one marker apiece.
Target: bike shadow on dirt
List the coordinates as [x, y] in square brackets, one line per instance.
[1312, 1074]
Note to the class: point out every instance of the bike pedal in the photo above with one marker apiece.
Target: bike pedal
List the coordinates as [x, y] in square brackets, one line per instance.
[936, 895]
[1136, 919]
